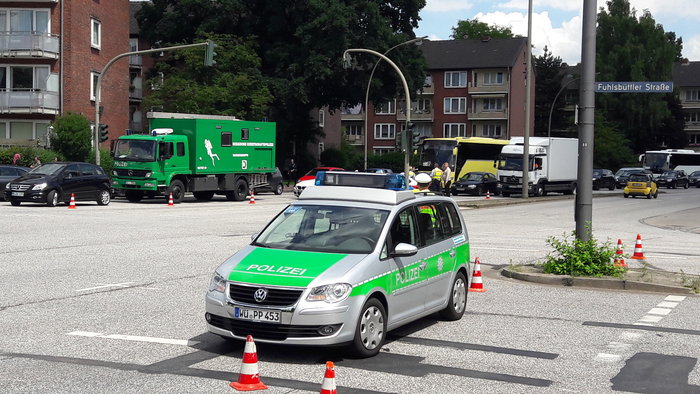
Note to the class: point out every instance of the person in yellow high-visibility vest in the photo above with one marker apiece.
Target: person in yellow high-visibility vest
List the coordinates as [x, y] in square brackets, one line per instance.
[436, 175]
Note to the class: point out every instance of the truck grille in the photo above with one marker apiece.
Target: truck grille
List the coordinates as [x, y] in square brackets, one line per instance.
[274, 332]
[19, 187]
[275, 296]
[131, 173]
[510, 179]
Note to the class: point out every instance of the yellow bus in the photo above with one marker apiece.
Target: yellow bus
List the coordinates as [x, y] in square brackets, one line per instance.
[464, 154]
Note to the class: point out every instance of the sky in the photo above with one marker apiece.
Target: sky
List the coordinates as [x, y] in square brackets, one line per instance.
[556, 23]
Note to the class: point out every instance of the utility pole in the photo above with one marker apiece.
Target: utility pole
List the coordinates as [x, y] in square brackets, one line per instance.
[98, 91]
[528, 86]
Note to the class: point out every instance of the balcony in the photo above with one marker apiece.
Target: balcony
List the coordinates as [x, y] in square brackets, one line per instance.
[29, 45]
[352, 113]
[356, 139]
[135, 94]
[488, 115]
[29, 102]
[135, 61]
[416, 114]
[692, 126]
[487, 89]
[690, 104]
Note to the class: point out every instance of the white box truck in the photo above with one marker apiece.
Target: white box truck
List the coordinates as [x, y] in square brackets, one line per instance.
[553, 166]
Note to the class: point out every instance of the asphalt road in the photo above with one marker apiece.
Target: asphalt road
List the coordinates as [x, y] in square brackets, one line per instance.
[111, 299]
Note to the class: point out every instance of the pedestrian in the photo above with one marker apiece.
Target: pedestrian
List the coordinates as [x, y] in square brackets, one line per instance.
[423, 183]
[16, 159]
[446, 179]
[36, 163]
[436, 175]
[292, 172]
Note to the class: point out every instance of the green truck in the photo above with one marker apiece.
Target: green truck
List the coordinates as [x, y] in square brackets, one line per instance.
[202, 154]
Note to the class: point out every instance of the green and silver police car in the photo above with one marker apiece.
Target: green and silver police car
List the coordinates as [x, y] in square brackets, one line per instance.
[355, 257]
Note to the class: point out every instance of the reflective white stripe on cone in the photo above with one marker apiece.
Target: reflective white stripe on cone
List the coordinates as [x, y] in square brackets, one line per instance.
[477, 283]
[249, 378]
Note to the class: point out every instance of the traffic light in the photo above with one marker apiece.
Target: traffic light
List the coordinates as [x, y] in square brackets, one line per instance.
[412, 136]
[209, 54]
[104, 132]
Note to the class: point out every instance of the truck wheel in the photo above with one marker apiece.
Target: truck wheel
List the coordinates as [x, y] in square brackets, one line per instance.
[370, 332]
[240, 190]
[539, 190]
[133, 196]
[203, 196]
[178, 191]
[458, 299]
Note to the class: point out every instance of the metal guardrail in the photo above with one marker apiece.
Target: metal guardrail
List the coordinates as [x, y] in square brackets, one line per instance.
[29, 44]
[33, 102]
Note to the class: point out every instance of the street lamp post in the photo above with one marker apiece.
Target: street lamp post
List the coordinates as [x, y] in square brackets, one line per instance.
[347, 63]
[551, 109]
[418, 41]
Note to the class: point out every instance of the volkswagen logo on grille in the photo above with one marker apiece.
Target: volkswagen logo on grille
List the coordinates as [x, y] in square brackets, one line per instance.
[260, 295]
[131, 173]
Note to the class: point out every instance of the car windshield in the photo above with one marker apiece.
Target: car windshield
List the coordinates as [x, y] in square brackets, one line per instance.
[695, 173]
[47, 169]
[472, 176]
[669, 174]
[324, 228]
[135, 150]
[597, 173]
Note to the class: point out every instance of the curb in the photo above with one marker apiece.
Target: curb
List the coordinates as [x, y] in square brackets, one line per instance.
[516, 200]
[596, 283]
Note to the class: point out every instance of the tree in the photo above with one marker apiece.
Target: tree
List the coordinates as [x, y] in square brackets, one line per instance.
[474, 29]
[299, 45]
[549, 78]
[72, 136]
[638, 49]
[611, 149]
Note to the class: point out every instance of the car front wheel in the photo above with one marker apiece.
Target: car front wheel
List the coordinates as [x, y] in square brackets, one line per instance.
[279, 189]
[458, 299]
[370, 332]
[52, 198]
[15, 203]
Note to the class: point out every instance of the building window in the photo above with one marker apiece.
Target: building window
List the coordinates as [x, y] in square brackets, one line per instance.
[452, 130]
[694, 139]
[455, 105]
[24, 78]
[456, 79]
[386, 108]
[493, 105]
[25, 130]
[692, 118]
[493, 78]
[380, 150]
[491, 130]
[428, 83]
[321, 118]
[422, 106]
[692, 95]
[24, 21]
[93, 84]
[384, 131]
[353, 130]
[95, 33]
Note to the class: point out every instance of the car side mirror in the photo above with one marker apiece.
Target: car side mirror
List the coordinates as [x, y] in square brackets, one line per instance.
[404, 250]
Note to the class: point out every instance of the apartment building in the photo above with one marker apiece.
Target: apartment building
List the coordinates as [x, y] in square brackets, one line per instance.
[473, 88]
[686, 78]
[51, 53]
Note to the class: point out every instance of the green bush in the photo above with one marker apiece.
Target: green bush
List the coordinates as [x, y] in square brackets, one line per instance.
[574, 257]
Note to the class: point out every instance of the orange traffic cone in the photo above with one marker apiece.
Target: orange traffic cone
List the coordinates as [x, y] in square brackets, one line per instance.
[252, 197]
[638, 255]
[619, 259]
[170, 200]
[249, 378]
[477, 283]
[72, 202]
[328, 386]
[488, 195]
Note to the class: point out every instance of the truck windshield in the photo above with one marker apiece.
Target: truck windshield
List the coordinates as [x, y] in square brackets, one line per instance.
[513, 163]
[324, 228]
[135, 150]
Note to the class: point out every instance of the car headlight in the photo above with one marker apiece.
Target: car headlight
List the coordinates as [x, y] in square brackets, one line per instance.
[330, 293]
[40, 186]
[7, 186]
[218, 283]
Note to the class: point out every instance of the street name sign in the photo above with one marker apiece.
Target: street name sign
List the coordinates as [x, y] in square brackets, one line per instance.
[634, 87]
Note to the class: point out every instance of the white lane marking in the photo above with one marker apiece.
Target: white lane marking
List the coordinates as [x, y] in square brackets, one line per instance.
[643, 324]
[126, 284]
[674, 298]
[650, 319]
[666, 304]
[608, 358]
[619, 346]
[134, 338]
[659, 311]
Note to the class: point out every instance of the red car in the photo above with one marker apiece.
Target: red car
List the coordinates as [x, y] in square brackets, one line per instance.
[312, 174]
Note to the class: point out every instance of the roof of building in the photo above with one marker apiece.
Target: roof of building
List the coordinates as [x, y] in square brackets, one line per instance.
[686, 74]
[134, 6]
[468, 54]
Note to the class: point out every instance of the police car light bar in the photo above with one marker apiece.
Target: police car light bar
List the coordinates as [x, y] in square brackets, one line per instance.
[162, 131]
[361, 179]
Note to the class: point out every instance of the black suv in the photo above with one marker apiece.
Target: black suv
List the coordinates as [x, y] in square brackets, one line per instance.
[673, 179]
[53, 182]
[603, 178]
